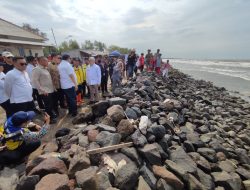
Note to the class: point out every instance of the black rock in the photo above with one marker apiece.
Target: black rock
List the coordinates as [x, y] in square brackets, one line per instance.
[100, 108]
[105, 138]
[148, 176]
[208, 153]
[28, 182]
[151, 153]
[131, 113]
[188, 146]
[157, 130]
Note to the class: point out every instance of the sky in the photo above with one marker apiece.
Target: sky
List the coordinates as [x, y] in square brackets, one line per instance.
[198, 29]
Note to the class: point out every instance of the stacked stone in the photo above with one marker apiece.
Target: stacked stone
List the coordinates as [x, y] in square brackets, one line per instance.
[187, 134]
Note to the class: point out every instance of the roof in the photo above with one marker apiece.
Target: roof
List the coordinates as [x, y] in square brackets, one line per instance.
[24, 42]
[10, 29]
[92, 52]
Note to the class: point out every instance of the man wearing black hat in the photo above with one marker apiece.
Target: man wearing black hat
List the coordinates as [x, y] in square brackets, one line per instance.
[16, 138]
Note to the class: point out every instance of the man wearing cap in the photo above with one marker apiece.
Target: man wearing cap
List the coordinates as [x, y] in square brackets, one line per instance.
[42, 80]
[18, 88]
[8, 62]
[16, 138]
[68, 83]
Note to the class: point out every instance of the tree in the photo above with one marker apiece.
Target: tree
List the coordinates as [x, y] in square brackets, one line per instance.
[49, 50]
[88, 45]
[120, 49]
[29, 28]
[73, 44]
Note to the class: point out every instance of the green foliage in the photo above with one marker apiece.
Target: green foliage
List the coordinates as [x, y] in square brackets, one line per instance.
[48, 50]
[70, 45]
[88, 45]
[120, 49]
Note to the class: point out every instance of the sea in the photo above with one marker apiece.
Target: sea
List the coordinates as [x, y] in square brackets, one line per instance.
[234, 75]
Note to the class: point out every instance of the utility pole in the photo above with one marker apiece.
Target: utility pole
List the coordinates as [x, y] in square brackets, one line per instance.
[54, 36]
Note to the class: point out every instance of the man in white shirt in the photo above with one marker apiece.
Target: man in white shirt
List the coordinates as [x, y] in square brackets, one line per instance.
[68, 83]
[43, 82]
[18, 88]
[32, 63]
[4, 99]
[93, 79]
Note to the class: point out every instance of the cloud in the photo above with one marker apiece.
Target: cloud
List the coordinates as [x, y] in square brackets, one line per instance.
[180, 28]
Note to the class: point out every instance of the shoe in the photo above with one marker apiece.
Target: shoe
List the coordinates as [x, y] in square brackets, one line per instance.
[74, 114]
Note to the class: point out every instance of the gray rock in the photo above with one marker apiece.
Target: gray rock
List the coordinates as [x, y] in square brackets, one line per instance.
[165, 142]
[103, 127]
[162, 185]
[227, 166]
[228, 181]
[205, 179]
[180, 157]
[83, 140]
[137, 111]
[86, 179]
[131, 114]
[208, 153]
[117, 101]
[108, 121]
[151, 153]
[146, 112]
[201, 162]
[243, 157]
[78, 162]
[100, 108]
[177, 170]
[142, 185]
[138, 138]
[102, 181]
[194, 184]
[158, 131]
[105, 138]
[188, 146]
[244, 174]
[173, 116]
[148, 176]
[8, 179]
[132, 154]
[127, 176]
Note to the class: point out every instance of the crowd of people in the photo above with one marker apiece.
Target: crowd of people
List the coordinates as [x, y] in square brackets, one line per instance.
[48, 84]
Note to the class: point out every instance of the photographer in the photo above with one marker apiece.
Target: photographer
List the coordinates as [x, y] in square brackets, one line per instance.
[17, 140]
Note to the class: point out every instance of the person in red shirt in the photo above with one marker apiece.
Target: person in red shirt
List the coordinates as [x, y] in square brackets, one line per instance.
[141, 61]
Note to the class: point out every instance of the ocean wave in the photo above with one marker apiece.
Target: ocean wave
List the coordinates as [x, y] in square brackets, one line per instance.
[210, 63]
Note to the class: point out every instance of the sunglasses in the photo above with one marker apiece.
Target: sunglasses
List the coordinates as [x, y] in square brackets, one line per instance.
[9, 57]
[22, 64]
[59, 58]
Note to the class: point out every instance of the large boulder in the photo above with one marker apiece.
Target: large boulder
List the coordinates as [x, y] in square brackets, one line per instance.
[105, 138]
[228, 181]
[151, 153]
[142, 185]
[86, 179]
[125, 128]
[28, 182]
[100, 108]
[180, 157]
[116, 113]
[148, 176]
[131, 114]
[117, 101]
[79, 162]
[208, 153]
[8, 179]
[48, 166]
[53, 182]
[169, 177]
[138, 138]
[85, 114]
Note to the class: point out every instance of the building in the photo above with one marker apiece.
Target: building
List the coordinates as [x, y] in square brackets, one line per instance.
[20, 42]
[82, 53]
